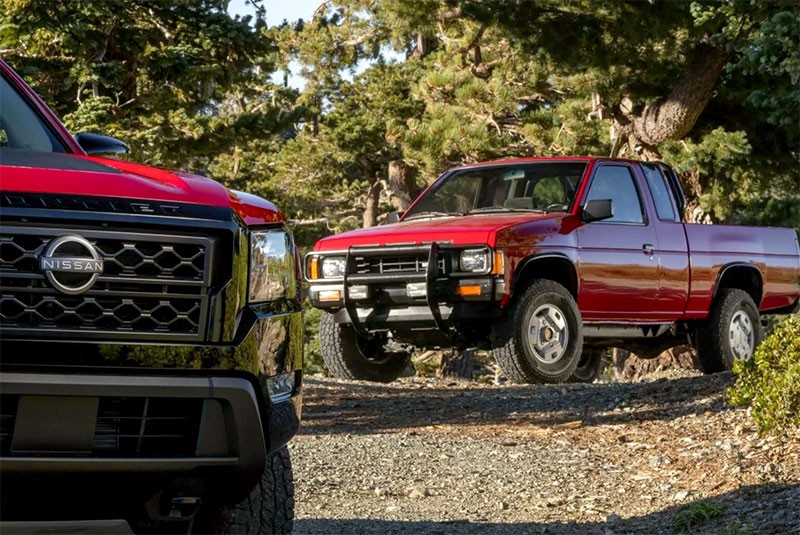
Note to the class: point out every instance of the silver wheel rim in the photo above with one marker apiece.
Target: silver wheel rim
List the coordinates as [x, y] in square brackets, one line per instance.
[740, 336]
[548, 334]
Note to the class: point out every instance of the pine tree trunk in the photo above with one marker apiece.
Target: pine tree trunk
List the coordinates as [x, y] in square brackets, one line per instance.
[456, 364]
[401, 185]
[372, 204]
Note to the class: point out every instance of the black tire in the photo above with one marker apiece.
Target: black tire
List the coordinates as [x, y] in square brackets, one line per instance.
[513, 348]
[268, 509]
[715, 347]
[591, 365]
[350, 356]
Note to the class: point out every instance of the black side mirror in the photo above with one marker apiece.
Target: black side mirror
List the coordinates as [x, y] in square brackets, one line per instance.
[99, 144]
[597, 210]
[391, 218]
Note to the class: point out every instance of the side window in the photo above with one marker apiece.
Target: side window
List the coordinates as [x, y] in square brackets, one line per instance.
[616, 183]
[660, 191]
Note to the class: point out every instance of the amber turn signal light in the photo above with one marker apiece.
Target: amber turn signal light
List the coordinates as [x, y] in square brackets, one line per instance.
[313, 269]
[498, 267]
[330, 295]
[468, 290]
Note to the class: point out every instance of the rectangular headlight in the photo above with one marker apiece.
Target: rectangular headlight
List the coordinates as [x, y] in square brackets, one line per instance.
[272, 266]
[474, 260]
[333, 267]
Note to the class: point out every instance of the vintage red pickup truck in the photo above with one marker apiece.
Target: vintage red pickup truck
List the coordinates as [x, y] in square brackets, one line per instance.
[548, 262]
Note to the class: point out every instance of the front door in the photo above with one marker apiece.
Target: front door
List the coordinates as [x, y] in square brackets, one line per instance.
[617, 262]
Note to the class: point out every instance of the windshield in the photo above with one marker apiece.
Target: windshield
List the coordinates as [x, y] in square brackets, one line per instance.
[21, 127]
[536, 187]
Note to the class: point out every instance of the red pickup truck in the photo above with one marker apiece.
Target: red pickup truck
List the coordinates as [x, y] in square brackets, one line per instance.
[548, 262]
[151, 335]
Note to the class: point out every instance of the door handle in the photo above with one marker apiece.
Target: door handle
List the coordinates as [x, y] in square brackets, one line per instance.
[648, 249]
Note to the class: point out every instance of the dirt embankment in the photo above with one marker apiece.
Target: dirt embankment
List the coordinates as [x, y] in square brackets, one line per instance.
[423, 456]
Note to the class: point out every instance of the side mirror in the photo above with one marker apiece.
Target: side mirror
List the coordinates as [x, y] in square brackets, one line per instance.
[597, 210]
[391, 218]
[99, 144]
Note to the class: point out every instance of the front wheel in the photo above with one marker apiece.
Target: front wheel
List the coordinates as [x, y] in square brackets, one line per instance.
[348, 355]
[732, 332]
[268, 509]
[540, 340]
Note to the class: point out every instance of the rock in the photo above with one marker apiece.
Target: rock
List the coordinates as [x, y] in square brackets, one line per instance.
[416, 492]
[392, 509]
[503, 506]
[681, 495]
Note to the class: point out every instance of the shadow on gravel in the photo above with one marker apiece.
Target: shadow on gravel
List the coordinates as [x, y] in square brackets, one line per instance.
[357, 407]
[740, 511]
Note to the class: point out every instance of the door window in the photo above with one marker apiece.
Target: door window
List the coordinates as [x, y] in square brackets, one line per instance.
[615, 182]
[660, 191]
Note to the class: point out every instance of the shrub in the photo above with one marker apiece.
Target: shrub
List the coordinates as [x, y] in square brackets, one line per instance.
[770, 381]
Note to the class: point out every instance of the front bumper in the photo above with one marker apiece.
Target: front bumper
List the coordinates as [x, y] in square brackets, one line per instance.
[57, 427]
[429, 293]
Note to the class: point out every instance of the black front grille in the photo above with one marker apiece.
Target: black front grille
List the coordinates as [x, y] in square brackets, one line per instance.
[412, 263]
[151, 285]
[147, 427]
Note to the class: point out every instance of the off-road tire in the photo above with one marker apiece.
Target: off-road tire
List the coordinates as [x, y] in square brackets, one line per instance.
[591, 365]
[347, 355]
[511, 348]
[713, 340]
[268, 509]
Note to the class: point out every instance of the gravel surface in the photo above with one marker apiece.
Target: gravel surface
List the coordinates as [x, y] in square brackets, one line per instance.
[426, 456]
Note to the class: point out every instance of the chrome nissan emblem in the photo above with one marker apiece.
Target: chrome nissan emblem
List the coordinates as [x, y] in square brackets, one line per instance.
[71, 264]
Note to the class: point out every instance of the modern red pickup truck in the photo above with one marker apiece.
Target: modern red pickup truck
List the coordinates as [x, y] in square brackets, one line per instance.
[548, 262]
[151, 335]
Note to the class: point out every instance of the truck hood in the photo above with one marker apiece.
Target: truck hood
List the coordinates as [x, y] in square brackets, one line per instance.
[66, 174]
[458, 230]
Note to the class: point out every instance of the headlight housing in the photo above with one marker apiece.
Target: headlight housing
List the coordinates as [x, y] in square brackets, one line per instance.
[273, 274]
[476, 260]
[333, 267]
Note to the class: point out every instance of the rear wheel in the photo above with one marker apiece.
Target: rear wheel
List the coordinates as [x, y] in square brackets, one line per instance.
[591, 365]
[268, 509]
[348, 355]
[732, 332]
[540, 339]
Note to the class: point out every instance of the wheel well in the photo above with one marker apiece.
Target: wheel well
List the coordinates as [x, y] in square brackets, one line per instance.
[742, 277]
[555, 268]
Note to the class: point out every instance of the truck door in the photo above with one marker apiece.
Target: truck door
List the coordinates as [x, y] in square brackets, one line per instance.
[673, 250]
[617, 262]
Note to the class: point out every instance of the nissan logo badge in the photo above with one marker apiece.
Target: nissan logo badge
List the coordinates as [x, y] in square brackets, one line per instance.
[71, 264]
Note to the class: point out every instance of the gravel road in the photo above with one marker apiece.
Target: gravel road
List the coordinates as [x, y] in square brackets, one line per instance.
[425, 456]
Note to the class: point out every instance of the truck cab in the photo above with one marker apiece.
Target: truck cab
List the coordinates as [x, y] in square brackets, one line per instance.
[548, 262]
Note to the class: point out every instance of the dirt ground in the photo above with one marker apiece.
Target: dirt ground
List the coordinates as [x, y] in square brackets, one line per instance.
[426, 456]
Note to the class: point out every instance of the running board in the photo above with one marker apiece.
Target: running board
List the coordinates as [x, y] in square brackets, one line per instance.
[651, 330]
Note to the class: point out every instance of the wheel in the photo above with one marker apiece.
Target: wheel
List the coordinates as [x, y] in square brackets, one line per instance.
[540, 339]
[732, 332]
[590, 366]
[350, 356]
[268, 509]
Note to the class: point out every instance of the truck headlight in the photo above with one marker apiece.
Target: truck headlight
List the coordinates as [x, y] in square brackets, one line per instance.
[272, 266]
[474, 260]
[333, 267]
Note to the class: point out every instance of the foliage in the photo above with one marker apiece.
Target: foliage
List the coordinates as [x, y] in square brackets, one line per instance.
[693, 515]
[429, 84]
[770, 381]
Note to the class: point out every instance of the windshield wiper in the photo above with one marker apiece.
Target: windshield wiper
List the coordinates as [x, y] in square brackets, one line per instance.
[487, 209]
[431, 214]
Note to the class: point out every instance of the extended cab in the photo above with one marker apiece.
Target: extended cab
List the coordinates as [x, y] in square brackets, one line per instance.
[548, 261]
[151, 338]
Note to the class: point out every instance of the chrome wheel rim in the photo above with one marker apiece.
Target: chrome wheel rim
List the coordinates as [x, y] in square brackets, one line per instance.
[548, 334]
[740, 336]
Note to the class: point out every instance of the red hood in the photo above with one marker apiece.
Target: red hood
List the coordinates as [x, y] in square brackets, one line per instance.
[25, 171]
[459, 230]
